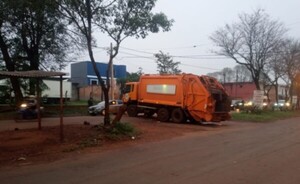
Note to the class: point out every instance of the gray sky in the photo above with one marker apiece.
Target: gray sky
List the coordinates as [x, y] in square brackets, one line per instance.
[188, 41]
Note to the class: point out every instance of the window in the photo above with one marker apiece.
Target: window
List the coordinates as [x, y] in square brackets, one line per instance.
[93, 81]
[128, 88]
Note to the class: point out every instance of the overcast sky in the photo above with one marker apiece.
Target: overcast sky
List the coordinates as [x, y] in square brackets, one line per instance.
[188, 41]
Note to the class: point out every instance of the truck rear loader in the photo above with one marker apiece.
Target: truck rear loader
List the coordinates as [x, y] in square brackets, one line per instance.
[178, 98]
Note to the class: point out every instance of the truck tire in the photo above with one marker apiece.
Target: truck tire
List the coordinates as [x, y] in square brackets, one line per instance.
[178, 116]
[163, 115]
[132, 111]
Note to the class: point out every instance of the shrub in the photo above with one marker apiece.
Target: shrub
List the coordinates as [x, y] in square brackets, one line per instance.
[120, 130]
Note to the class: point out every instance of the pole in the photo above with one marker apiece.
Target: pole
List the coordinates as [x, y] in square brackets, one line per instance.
[61, 111]
[38, 103]
[112, 87]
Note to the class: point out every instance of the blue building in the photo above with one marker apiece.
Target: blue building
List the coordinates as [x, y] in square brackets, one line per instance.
[82, 73]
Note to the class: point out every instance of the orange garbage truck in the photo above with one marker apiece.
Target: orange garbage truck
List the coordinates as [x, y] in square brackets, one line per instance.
[178, 98]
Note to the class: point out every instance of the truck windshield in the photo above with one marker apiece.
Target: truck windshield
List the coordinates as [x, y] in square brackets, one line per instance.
[128, 88]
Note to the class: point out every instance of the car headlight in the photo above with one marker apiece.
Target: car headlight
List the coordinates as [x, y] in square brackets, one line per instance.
[265, 104]
[24, 105]
[248, 104]
[287, 104]
[275, 104]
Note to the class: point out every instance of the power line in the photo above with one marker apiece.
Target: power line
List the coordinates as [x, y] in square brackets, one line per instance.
[189, 65]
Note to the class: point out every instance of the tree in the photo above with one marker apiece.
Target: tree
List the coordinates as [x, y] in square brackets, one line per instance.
[165, 64]
[250, 42]
[274, 71]
[130, 77]
[134, 76]
[228, 75]
[119, 19]
[238, 74]
[218, 75]
[291, 60]
[242, 74]
[32, 37]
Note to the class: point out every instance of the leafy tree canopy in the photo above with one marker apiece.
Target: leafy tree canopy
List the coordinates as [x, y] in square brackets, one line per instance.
[165, 64]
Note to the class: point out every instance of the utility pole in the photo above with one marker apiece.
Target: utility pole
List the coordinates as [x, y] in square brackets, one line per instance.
[236, 82]
[112, 87]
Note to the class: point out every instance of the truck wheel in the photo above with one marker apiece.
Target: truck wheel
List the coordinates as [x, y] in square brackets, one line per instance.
[163, 114]
[178, 116]
[132, 111]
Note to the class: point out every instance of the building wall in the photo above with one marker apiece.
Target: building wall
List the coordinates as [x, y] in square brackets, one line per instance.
[96, 93]
[244, 90]
[79, 73]
[240, 90]
[85, 79]
[83, 73]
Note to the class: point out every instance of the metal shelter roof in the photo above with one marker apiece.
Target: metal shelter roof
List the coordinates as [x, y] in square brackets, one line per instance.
[38, 74]
[30, 74]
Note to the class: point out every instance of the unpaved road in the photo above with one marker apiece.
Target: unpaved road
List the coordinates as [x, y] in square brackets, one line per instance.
[240, 153]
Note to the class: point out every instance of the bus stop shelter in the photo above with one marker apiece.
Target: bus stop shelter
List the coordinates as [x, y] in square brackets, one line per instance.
[39, 75]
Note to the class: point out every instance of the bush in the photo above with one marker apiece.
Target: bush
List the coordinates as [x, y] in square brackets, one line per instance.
[120, 130]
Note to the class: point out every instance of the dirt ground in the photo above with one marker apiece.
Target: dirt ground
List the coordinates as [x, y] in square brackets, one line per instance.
[21, 147]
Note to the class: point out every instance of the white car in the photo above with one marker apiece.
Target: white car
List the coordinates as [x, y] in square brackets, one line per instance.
[281, 105]
[114, 106]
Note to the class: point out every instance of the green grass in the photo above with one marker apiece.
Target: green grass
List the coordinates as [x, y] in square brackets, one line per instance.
[121, 130]
[263, 116]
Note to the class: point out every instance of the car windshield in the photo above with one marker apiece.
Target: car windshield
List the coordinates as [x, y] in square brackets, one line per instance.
[101, 103]
[111, 102]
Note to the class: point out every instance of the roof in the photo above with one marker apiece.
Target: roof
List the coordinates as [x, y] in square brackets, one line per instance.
[30, 74]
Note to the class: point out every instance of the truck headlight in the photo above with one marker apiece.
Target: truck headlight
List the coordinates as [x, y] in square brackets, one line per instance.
[287, 104]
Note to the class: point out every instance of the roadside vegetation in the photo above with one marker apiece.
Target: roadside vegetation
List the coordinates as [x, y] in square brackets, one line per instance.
[118, 132]
[263, 116]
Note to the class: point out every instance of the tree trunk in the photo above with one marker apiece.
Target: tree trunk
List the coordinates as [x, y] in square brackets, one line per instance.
[10, 66]
[291, 90]
[276, 92]
[118, 117]
[17, 91]
[256, 82]
[88, 34]
[33, 56]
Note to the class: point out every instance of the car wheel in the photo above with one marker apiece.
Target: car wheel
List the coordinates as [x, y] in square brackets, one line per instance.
[92, 113]
[102, 112]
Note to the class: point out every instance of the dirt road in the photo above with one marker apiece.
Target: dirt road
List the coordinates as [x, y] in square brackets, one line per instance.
[240, 153]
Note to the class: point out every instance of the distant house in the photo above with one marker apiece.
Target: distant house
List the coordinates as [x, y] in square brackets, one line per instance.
[86, 81]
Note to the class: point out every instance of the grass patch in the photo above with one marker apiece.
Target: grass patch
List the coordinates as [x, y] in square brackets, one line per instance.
[118, 132]
[263, 116]
[122, 130]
